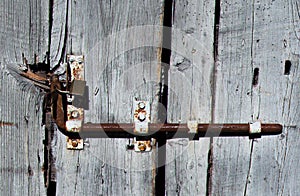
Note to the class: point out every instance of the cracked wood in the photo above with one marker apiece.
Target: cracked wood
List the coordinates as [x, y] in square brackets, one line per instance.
[189, 96]
[257, 35]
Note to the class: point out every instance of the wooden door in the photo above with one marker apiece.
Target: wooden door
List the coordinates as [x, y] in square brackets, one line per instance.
[214, 61]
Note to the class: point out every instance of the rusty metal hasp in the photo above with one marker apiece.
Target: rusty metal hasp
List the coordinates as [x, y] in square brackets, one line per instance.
[66, 99]
[141, 119]
[75, 73]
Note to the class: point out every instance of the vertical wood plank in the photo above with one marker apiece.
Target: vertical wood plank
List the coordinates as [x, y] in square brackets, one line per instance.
[261, 35]
[234, 100]
[190, 94]
[21, 136]
[121, 43]
[23, 29]
[274, 169]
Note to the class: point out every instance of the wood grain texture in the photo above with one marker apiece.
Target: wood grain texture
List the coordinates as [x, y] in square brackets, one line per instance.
[274, 160]
[231, 156]
[190, 94]
[21, 150]
[121, 42]
[23, 29]
[258, 34]
[122, 63]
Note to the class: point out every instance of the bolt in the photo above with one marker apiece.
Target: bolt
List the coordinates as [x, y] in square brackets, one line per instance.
[142, 117]
[75, 129]
[70, 98]
[71, 60]
[141, 105]
[74, 143]
[142, 146]
[75, 114]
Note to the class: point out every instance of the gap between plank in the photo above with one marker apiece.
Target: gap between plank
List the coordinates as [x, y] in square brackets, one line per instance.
[51, 186]
[160, 181]
[249, 169]
[213, 93]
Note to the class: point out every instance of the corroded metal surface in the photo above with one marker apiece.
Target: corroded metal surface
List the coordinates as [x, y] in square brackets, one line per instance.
[75, 118]
[76, 67]
[175, 130]
[2, 123]
[74, 144]
[141, 117]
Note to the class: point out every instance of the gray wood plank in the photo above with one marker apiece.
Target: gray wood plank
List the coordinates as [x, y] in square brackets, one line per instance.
[190, 94]
[24, 29]
[234, 69]
[21, 136]
[274, 167]
[122, 62]
[257, 35]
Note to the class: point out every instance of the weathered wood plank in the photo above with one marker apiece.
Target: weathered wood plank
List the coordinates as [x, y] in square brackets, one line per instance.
[231, 156]
[23, 29]
[256, 35]
[190, 94]
[274, 167]
[21, 136]
[122, 62]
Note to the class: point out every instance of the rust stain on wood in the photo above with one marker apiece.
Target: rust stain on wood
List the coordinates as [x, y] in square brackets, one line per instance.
[32, 76]
[36, 79]
[2, 124]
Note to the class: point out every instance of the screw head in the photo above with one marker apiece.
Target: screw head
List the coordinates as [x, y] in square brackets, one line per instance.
[142, 117]
[75, 129]
[75, 114]
[141, 105]
[142, 146]
[74, 143]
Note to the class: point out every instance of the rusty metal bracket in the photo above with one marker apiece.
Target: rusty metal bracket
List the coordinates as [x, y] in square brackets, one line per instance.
[74, 144]
[141, 117]
[193, 126]
[255, 127]
[174, 130]
[75, 119]
[141, 145]
[75, 73]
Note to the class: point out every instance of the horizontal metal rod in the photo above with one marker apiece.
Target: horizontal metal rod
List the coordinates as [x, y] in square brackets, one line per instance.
[174, 130]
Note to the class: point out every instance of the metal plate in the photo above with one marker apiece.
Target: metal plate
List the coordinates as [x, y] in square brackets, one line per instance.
[78, 87]
[255, 128]
[74, 144]
[76, 64]
[143, 146]
[141, 116]
[75, 115]
[75, 118]
[193, 126]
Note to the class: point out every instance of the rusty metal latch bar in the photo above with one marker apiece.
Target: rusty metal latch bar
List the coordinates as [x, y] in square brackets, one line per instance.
[75, 115]
[174, 130]
[143, 132]
[74, 144]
